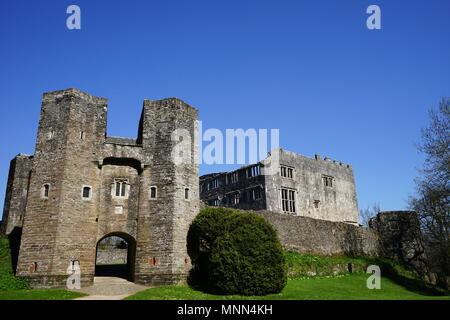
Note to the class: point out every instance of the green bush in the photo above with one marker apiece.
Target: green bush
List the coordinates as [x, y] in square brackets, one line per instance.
[7, 279]
[235, 253]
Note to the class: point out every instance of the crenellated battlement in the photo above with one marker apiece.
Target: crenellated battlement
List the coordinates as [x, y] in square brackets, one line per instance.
[318, 157]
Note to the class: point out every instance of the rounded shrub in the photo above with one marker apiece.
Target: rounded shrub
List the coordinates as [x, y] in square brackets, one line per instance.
[235, 253]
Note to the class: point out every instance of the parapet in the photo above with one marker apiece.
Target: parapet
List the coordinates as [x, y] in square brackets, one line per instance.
[383, 218]
[24, 155]
[173, 102]
[397, 213]
[318, 157]
[72, 92]
[122, 141]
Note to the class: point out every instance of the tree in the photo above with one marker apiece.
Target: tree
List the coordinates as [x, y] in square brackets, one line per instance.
[235, 253]
[368, 213]
[432, 198]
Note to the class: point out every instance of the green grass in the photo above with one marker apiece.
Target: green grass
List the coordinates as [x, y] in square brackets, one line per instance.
[13, 288]
[7, 279]
[397, 283]
[344, 287]
[313, 277]
[49, 294]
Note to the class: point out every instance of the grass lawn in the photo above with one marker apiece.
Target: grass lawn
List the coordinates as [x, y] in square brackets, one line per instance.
[50, 294]
[348, 287]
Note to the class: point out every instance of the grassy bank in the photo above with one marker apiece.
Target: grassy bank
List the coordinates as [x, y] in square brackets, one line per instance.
[310, 277]
[7, 279]
[309, 265]
[49, 294]
[313, 277]
[344, 287]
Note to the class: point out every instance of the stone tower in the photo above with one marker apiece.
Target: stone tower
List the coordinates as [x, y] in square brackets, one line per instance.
[84, 186]
[401, 239]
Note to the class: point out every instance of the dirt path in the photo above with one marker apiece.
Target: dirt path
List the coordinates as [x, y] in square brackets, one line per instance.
[110, 288]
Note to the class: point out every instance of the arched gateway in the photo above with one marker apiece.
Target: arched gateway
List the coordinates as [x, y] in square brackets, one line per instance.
[81, 186]
[116, 256]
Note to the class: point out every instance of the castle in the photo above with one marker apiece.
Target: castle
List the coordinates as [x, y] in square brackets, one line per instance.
[82, 186]
[289, 183]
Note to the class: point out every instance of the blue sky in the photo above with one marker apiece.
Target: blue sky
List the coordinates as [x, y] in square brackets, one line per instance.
[309, 68]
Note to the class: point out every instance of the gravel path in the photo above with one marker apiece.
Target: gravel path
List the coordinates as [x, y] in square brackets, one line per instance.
[110, 288]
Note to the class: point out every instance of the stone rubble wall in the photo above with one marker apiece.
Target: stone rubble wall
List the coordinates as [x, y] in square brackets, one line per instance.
[111, 256]
[16, 193]
[321, 237]
[401, 239]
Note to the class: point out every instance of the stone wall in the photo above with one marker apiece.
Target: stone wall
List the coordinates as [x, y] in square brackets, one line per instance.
[16, 193]
[111, 256]
[168, 132]
[401, 238]
[62, 228]
[321, 237]
[314, 199]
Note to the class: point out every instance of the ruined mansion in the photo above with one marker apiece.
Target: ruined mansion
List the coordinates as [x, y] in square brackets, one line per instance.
[289, 183]
[82, 186]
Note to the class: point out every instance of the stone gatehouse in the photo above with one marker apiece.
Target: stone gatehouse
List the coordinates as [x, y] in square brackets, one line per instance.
[81, 186]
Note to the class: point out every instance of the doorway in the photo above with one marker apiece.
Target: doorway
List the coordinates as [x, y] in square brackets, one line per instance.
[115, 256]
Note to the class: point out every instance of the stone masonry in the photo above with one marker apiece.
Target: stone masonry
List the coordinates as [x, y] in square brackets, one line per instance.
[289, 183]
[82, 186]
[322, 237]
[401, 239]
[112, 256]
[16, 192]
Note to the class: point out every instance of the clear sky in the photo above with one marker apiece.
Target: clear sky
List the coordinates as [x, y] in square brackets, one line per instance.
[309, 68]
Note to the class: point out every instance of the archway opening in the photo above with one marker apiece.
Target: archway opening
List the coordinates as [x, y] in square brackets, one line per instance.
[115, 256]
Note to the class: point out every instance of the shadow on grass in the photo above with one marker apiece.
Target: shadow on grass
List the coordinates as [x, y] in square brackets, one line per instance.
[412, 284]
[389, 269]
[197, 280]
